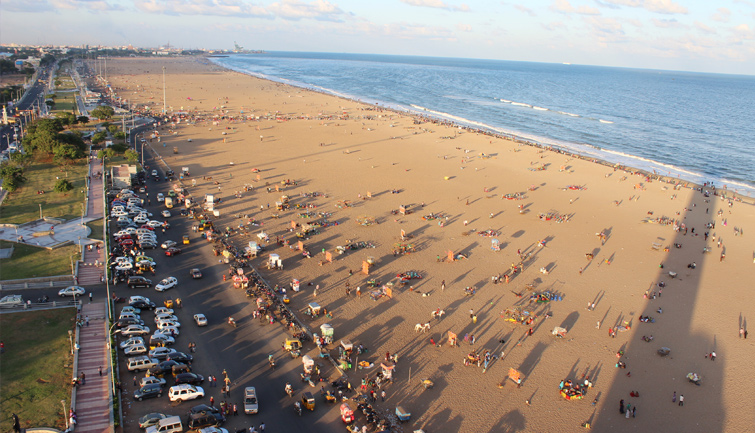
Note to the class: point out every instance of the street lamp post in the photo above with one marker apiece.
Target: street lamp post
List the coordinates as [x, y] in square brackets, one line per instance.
[65, 415]
[40, 211]
[70, 339]
[164, 99]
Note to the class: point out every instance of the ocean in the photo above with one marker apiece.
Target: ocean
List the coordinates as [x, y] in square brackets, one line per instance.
[693, 126]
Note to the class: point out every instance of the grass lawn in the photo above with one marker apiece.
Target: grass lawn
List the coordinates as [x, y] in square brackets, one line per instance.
[65, 102]
[36, 368]
[96, 227]
[23, 205]
[31, 262]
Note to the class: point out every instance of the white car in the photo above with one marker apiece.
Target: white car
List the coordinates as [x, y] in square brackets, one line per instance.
[155, 224]
[118, 214]
[169, 329]
[149, 380]
[168, 244]
[161, 352]
[185, 392]
[139, 349]
[166, 283]
[145, 263]
[154, 172]
[72, 291]
[163, 323]
[165, 213]
[164, 317]
[147, 238]
[121, 233]
[136, 298]
[128, 309]
[130, 230]
[163, 310]
[135, 330]
[128, 315]
[212, 429]
[133, 341]
[200, 319]
[141, 219]
[160, 197]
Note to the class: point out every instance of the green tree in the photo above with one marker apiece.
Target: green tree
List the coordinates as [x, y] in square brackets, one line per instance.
[103, 112]
[83, 120]
[67, 118]
[120, 135]
[112, 129]
[63, 185]
[99, 137]
[106, 153]
[131, 155]
[12, 175]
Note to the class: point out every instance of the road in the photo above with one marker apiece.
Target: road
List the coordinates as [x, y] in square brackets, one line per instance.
[29, 99]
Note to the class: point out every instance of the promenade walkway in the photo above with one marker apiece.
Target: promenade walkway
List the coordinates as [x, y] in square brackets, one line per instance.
[93, 398]
[91, 267]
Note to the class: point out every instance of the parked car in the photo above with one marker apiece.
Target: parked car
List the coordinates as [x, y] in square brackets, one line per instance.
[151, 419]
[200, 319]
[190, 378]
[135, 330]
[133, 341]
[146, 305]
[163, 310]
[165, 213]
[138, 349]
[150, 380]
[148, 391]
[181, 357]
[128, 321]
[166, 284]
[72, 291]
[195, 273]
[160, 340]
[185, 392]
[161, 353]
[167, 244]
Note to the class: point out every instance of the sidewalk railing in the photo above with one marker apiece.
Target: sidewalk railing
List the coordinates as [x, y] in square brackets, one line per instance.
[37, 283]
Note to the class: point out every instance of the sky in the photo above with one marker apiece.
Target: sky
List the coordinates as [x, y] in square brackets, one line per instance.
[688, 35]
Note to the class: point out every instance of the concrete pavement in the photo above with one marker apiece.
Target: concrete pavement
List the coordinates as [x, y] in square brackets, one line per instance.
[93, 403]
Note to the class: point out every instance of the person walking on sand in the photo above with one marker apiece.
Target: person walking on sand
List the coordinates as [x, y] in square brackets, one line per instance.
[741, 332]
[443, 285]
[681, 399]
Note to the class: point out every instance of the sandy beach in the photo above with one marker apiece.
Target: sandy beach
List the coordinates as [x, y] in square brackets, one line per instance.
[545, 208]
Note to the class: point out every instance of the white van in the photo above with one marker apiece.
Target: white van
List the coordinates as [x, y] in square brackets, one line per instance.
[140, 363]
[171, 424]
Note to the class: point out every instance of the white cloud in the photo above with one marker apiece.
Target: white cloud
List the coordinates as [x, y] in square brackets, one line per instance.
[463, 27]
[722, 16]
[56, 5]
[669, 24]
[202, 7]
[438, 4]
[704, 28]
[606, 30]
[413, 31]
[554, 25]
[525, 9]
[295, 10]
[743, 32]
[657, 6]
[563, 6]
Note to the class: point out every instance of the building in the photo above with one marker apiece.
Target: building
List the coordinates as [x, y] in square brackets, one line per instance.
[122, 175]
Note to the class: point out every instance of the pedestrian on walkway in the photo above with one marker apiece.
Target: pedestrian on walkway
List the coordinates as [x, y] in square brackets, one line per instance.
[673, 398]
[681, 399]
[382, 395]
[90, 297]
[262, 427]
[235, 410]
[86, 319]
[136, 383]
[100, 370]
[212, 401]
[83, 378]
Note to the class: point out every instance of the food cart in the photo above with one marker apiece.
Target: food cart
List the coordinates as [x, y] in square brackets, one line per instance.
[274, 262]
[308, 362]
[314, 309]
[347, 345]
[327, 333]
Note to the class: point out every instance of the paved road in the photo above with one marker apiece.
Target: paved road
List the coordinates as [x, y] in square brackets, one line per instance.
[241, 351]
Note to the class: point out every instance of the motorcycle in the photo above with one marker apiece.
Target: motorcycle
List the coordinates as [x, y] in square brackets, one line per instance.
[271, 361]
[289, 390]
[231, 322]
[297, 408]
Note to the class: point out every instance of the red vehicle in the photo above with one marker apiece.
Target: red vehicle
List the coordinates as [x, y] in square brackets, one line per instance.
[127, 242]
[150, 228]
[122, 238]
[172, 251]
[347, 415]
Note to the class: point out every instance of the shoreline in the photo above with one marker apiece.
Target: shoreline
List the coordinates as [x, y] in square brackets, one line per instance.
[492, 132]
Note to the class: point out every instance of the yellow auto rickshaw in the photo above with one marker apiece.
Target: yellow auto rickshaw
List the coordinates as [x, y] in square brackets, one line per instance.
[175, 149]
[168, 303]
[180, 368]
[186, 240]
[292, 344]
[308, 401]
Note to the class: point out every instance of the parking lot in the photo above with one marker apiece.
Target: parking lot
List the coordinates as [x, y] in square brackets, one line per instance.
[242, 351]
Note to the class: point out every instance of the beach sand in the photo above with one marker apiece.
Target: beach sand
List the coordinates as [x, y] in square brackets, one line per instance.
[346, 150]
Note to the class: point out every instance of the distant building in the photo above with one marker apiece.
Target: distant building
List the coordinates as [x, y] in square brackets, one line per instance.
[122, 175]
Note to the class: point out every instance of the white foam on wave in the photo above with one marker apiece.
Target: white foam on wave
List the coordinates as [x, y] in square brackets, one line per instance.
[568, 114]
[506, 101]
[521, 104]
[540, 108]
[604, 121]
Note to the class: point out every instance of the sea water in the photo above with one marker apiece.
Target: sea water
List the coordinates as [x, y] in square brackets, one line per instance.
[694, 126]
